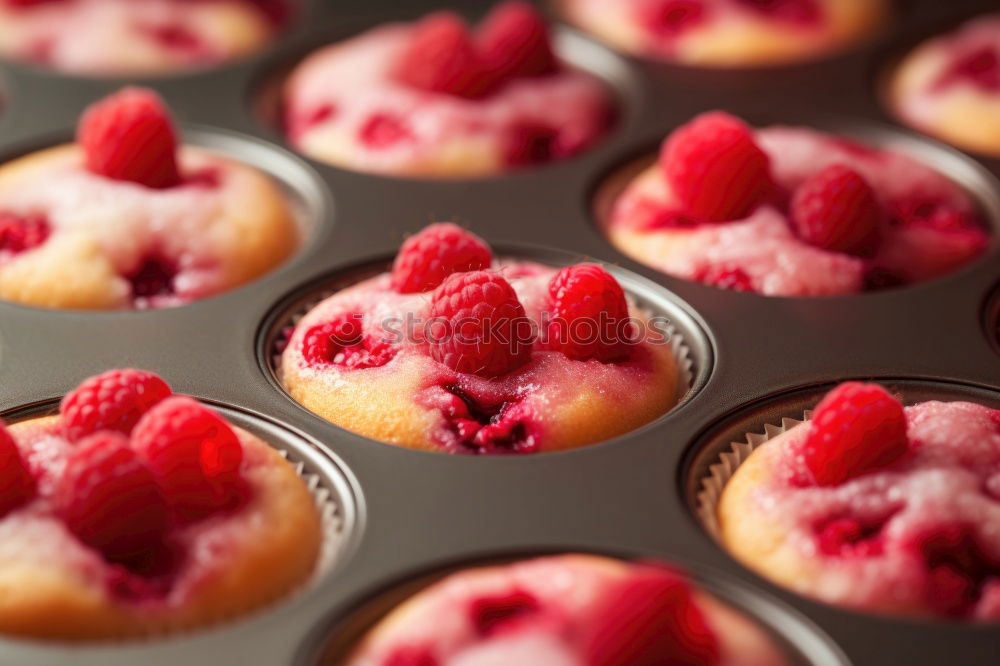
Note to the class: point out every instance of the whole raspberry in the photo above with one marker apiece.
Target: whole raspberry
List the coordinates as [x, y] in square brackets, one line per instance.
[427, 258]
[130, 136]
[19, 233]
[837, 210]
[478, 326]
[734, 279]
[514, 41]
[715, 169]
[649, 619]
[441, 57]
[194, 455]
[857, 428]
[590, 317]
[17, 485]
[110, 500]
[114, 400]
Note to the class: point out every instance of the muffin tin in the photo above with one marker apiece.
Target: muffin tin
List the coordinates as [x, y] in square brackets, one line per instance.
[409, 513]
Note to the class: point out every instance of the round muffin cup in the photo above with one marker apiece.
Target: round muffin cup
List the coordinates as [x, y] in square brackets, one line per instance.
[326, 483]
[721, 455]
[277, 331]
[801, 642]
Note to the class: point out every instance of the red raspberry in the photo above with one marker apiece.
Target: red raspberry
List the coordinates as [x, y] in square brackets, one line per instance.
[590, 317]
[491, 614]
[194, 455]
[342, 342]
[130, 136]
[19, 233]
[427, 258]
[802, 12]
[848, 537]
[671, 18]
[114, 400]
[110, 500]
[514, 41]
[478, 325]
[734, 279]
[837, 210]
[716, 170]
[649, 619]
[442, 57]
[411, 655]
[857, 428]
[17, 485]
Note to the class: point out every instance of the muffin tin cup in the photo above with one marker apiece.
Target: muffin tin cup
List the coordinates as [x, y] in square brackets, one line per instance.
[330, 488]
[721, 454]
[693, 365]
[407, 513]
[802, 642]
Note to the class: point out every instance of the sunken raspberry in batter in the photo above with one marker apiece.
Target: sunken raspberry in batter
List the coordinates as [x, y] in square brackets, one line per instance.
[876, 506]
[502, 357]
[437, 98]
[788, 211]
[134, 512]
[126, 218]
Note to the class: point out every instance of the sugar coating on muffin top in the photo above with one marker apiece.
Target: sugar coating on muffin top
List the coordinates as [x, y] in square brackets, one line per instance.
[434, 98]
[950, 86]
[787, 211]
[876, 507]
[117, 37]
[125, 218]
[729, 33]
[134, 511]
[570, 610]
[455, 352]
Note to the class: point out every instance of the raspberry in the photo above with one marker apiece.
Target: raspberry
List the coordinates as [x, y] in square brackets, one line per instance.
[194, 455]
[411, 655]
[490, 614]
[342, 342]
[110, 500]
[837, 210]
[847, 537]
[19, 233]
[671, 18]
[17, 485]
[479, 326]
[114, 400]
[857, 428]
[442, 57]
[734, 279]
[590, 317]
[980, 67]
[130, 136]
[715, 168]
[649, 619]
[514, 41]
[958, 568]
[427, 258]
[384, 130]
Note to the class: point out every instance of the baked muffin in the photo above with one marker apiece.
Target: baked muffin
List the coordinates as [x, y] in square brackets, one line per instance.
[788, 211]
[135, 512]
[950, 86]
[134, 220]
[135, 37]
[729, 33]
[454, 352]
[876, 507]
[569, 610]
[435, 99]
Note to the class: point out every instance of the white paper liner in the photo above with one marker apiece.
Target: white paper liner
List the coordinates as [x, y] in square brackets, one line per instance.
[729, 460]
